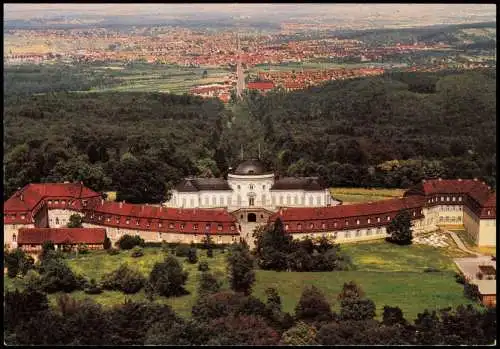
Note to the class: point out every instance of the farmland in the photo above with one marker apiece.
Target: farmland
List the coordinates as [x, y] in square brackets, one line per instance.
[357, 195]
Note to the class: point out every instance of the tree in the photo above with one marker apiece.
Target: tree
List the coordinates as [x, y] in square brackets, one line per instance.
[272, 246]
[127, 242]
[240, 269]
[47, 246]
[300, 334]
[192, 258]
[273, 299]
[124, 279]
[242, 330]
[21, 305]
[471, 291]
[57, 276]
[313, 306]
[107, 243]
[208, 284]
[400, 229]
[357, 309]
[75, 221]
[17, 261]
[393, 316]
[350, 290]
[167, 278]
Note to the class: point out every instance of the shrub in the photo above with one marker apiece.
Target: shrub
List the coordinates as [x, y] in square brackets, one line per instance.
[137, 252]
[75, 221]
[107, 243]
[192, 257]
[113, 251]
[32, 280]
[203, 266]
[208, 284]
[83, 249]
[312, 305]
[471, 291]
[460, 278]
[57, 276]
[93, 287]
[17, 262]
[431, 270]
[182, 250]
[124, 279]
[167, 278]
[127, 242]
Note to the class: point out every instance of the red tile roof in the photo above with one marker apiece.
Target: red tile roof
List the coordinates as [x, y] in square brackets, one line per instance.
[260, 85]
[35, 236]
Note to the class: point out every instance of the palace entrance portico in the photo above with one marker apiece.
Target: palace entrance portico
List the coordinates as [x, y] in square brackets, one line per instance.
[250, 218]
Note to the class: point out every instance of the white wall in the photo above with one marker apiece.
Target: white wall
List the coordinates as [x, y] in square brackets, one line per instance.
[59, 218]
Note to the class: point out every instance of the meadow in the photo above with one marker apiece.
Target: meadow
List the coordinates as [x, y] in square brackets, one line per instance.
[389, 275]
[356, 195]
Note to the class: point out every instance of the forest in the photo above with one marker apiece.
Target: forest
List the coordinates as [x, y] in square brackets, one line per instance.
[390, 131]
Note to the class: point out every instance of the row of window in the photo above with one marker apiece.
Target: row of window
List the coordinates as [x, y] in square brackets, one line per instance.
[251, 187]
[251, 202]
[450, 208]
[149, 222]
[63, 202]
[450, 219]
[445, 198]
[358, 222]
[13, 216]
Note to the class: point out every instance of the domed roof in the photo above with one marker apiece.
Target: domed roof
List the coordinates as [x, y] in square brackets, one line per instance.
[250, 167]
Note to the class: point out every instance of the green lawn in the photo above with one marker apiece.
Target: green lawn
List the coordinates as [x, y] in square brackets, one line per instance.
[390, 275]
[356, 195]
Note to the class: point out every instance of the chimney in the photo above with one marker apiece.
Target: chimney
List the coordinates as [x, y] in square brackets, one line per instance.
[160, 208]
[281, 211]
[121, 204]
[440, 179]
[475, 179]
[460, 179]
[21, 197]
[102, 201]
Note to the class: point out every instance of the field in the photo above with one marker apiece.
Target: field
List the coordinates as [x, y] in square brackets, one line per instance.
[390, 275]
[306, 66]
[355, 195]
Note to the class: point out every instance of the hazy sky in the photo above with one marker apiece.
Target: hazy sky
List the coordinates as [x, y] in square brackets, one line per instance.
[405, 11]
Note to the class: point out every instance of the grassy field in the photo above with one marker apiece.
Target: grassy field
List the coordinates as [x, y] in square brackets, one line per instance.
[390, 275]
[355, 195]
[305, 66]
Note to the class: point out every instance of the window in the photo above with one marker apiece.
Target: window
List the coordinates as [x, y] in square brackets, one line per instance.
[368, 232]
[368, 221]
[263, 199]
[183, 202]
[108, 219]
[171, 226]
[57, 220]
[238, 187]
[295, 200]
[286, 226]
[414, 213]
[127, 221]
[281, 200]
[311, 226]
[442, 198]
[318, 201]
[388, 218]
[447, 198]
[159, 225]
[191, 203]
[489, 212]
[346, 223]
[347, 234]
[63, 202]
[233, 227]
[137, 222]
[335, 224]
[14, 238]
[323, 225]
[358, 233]
[459, 198]
[117, 220]
[207, 226]
[221, 201]
[195, 226]
[23, 216]
[453, 199]
[263, 187]
[50, 202]
[311, 203]
[251, 201]
[206, 200]
[148, 224]
[182, 226]
[251, 186]
[288, 200]
[378, 219]
[219, 227]
[56, 202]
[214, 201]
[229, 201]
[357, 221]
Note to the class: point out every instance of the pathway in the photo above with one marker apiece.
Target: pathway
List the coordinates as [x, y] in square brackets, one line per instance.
[461, 245]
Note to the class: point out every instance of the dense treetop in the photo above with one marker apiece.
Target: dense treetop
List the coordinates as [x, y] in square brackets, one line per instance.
[389, 131]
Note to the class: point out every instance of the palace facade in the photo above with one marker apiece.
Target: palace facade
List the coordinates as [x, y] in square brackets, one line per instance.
[431, 204]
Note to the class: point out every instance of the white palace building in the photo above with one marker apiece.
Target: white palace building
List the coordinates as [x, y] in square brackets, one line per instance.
[251, 193]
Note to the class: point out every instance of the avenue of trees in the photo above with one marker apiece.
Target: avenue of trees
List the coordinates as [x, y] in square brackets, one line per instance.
[389, 131]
